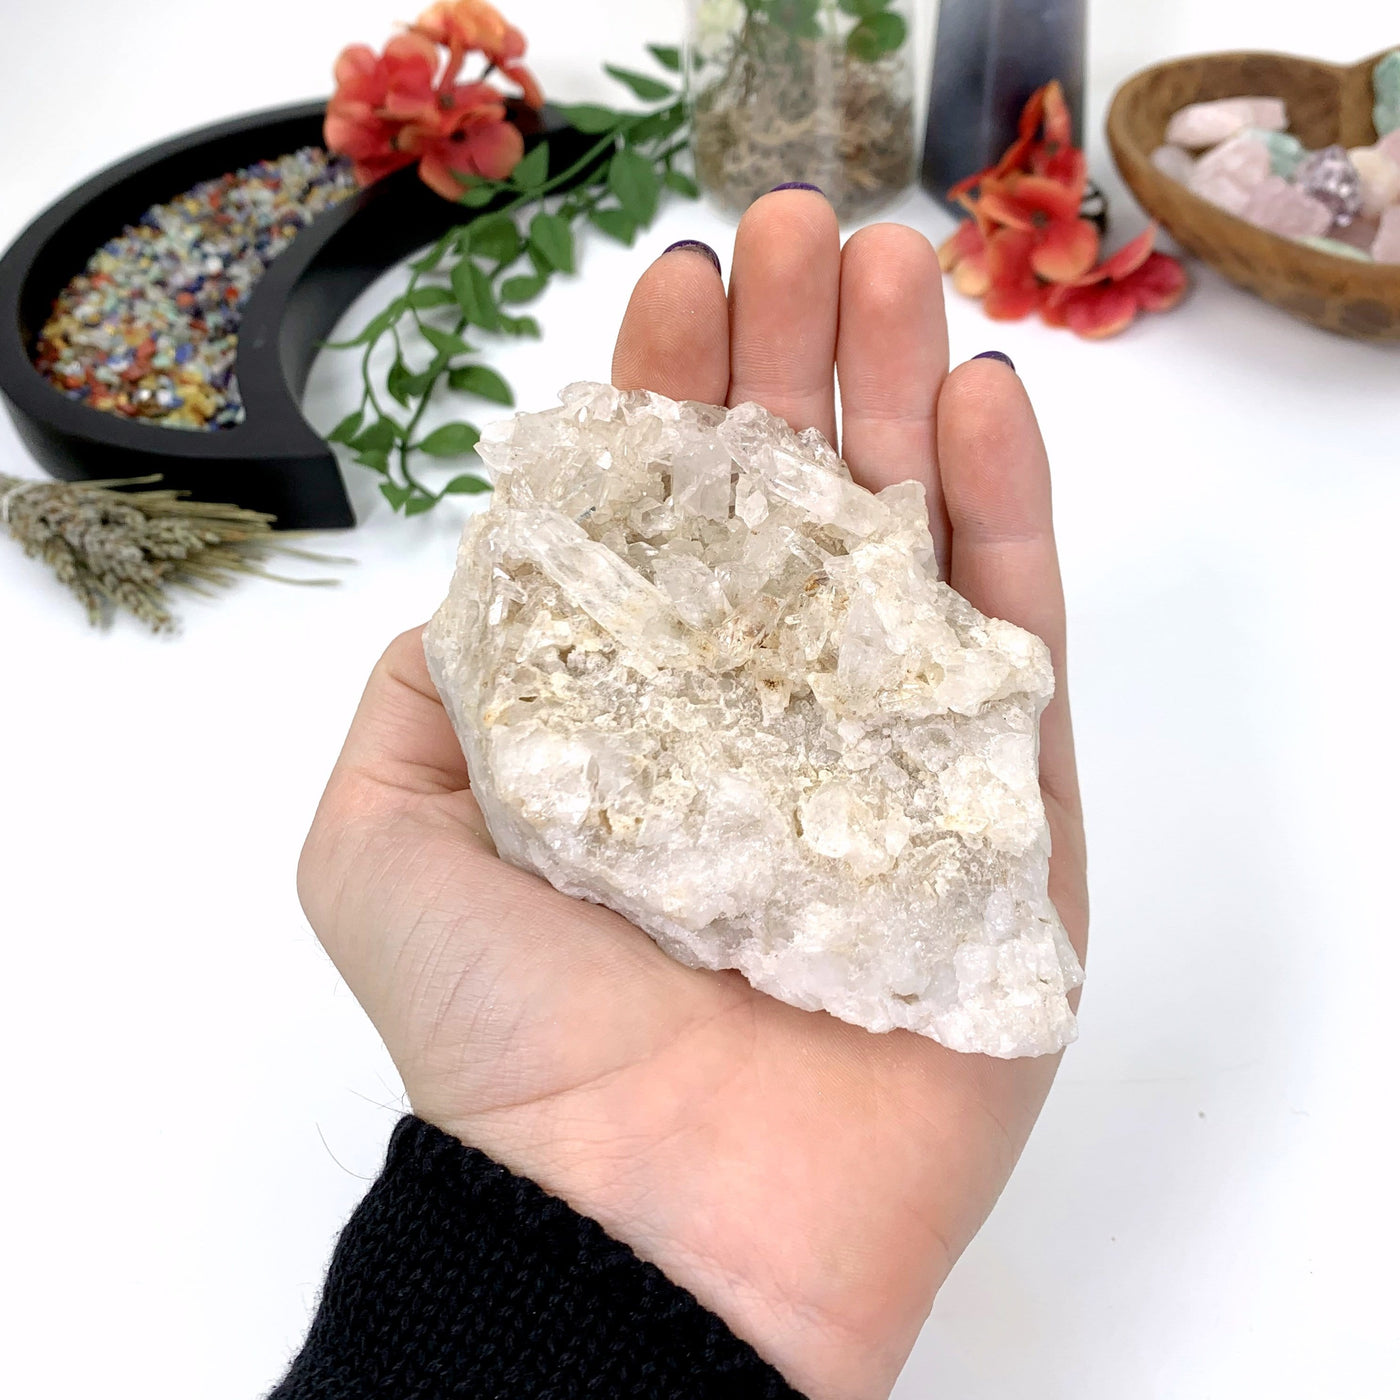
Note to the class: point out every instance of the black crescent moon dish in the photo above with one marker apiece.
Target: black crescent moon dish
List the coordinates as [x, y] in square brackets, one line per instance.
[273, 460]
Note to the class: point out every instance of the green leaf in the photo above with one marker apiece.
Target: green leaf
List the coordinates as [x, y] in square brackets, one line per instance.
[416, 505]
[656, 125]
[482, 381]
[418, 384]
[381, 435]
[494, 236]
[679, 181]
[518, 289]
[667, 55]
[395, 494]
[450, 440]
[533, 168]
[375, 459]
[447, 343]
[616, 223]
[424, 298]
[376, 326]
[632, 178]
[396, 383]
[433, 256]
[862, 9]
[346, 429]
[466, 486]
[472, 288]
[795, 17]
[553, 239]
[521, 325]
[591, 119]
[876, 36]
[478, 192]
[648, 89]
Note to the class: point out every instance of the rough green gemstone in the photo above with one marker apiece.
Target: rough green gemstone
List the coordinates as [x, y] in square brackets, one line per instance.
[1286, 152]
[1341, 250]
[1386, 84]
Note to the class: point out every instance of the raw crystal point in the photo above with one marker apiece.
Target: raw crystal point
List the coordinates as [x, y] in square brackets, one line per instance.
[1228, 175]
[1337, 248]
[1174, 162]
[704, 678]
[1284, 209]
[1209, 123]
[1328, 175]
[1386, 248]
[1386, 82]
[1360, 233]
[1380, 179]
[1286, 151]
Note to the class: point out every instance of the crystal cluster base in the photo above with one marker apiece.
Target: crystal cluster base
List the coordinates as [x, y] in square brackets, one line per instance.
[702, 677]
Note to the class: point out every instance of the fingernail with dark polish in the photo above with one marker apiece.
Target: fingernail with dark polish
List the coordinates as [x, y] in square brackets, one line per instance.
[694, 245]
[797, 185]
[997, 355]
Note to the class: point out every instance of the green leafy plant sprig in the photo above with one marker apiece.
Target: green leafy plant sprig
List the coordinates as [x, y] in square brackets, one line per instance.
[879, 29]
[477, 276]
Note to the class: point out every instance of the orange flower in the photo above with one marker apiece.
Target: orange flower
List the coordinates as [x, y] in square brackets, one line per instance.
[1108, 298]
[1026, 248]
[965, 256]
[466, 26]
[406, 104]
[375, 96]
[1044, 145]
[1063, 245]
[473, 138]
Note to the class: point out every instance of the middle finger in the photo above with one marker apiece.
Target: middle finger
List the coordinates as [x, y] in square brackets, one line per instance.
[783, 296]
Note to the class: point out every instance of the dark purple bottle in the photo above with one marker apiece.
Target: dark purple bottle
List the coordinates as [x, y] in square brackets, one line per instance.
[990, 56]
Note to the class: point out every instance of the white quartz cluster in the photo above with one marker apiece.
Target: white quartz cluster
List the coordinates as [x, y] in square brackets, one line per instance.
[704, 678]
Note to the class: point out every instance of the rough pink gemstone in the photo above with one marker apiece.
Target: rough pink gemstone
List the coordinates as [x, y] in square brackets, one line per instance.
[1208, 123]
[1389, 145]
[1386, 248]
[1174, 162]
[1228, 175]
[1360, 232]
[1276, 205]
[1380, 178]
[1329, 175]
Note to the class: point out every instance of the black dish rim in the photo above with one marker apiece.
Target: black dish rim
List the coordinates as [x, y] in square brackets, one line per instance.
[273, 461]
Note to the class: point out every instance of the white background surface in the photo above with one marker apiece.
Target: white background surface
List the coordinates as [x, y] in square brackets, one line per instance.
[193, 1102]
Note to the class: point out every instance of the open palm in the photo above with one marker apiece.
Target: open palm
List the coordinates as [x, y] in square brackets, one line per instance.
[810, 1182]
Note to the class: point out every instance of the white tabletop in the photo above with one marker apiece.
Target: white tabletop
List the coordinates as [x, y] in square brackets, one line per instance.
[193, 1100]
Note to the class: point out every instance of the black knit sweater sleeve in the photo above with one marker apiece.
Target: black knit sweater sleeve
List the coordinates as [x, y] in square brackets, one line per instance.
[456, 1278]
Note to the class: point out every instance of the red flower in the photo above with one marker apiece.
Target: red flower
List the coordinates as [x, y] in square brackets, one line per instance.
[465, 26]
[1044, 145]
[1063, 245]
[474, 138]
[373, 95]
[1107, 299]
[965, 256]
[405, 105]
[1027, 248]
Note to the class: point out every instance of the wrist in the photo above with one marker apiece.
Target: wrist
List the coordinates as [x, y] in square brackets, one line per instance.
[830, 1308]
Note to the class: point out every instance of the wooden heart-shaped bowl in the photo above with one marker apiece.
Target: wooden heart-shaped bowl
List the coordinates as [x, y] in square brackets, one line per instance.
[1326, 103]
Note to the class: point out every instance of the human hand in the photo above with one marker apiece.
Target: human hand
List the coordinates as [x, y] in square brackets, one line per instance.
[808, 1181]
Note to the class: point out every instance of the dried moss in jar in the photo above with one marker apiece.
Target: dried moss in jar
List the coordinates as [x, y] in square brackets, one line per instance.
[801, 90]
